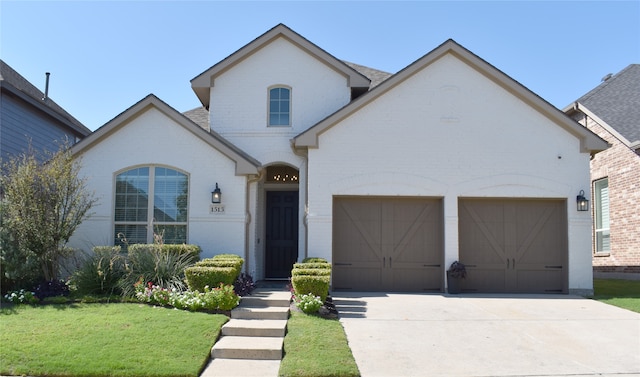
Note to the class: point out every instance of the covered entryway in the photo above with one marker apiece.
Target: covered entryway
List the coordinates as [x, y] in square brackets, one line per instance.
[281, 223]
[387, 244]
[513, 245]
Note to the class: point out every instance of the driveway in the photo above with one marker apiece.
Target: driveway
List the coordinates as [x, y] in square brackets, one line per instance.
[488, 335]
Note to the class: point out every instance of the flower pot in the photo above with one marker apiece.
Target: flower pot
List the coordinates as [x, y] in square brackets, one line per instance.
[453, 284]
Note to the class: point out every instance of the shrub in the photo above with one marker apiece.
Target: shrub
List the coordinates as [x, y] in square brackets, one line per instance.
[244, 285]
[165, 269]
[311, 272]
[51, 289]
[21, 297]
[315, 260]
[309, 303]
[212, 262]
[312, 265]
[199, 277]
[316, 285]
[101, 272]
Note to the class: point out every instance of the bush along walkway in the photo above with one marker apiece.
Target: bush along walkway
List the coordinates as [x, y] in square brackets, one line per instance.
[252, 341]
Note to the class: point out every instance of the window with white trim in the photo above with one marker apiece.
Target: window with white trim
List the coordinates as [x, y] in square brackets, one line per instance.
[150, 200]
[601, 215]
[279, 107]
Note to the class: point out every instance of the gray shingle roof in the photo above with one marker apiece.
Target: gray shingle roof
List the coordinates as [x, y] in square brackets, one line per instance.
[11, 79]
[617, 102]
[376, 76]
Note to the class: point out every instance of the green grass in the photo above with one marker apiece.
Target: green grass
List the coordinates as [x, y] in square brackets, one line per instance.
[622, 293]
[314, 347]
[105, 340]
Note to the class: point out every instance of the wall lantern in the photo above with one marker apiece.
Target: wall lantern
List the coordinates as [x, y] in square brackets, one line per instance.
[216, 195]
[583, 203]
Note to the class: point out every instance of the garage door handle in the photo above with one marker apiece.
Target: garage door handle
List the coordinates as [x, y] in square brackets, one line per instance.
[384, 262]
[342, 264]
[559, 267]
[390, 262]
[430, 265]
[507, 263]
[514, 262]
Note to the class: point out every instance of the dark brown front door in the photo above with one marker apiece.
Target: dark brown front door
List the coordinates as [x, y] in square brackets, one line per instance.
[281, 233]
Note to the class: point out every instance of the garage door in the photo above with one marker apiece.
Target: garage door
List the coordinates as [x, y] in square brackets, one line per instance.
[387, 244]
[513, 245]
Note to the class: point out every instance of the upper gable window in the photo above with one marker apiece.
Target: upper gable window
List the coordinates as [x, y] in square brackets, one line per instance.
[279, 107]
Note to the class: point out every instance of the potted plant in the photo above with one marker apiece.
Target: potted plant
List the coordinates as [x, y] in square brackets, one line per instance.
[456, 272]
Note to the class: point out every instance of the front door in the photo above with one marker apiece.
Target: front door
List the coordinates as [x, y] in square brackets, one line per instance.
[281, 233]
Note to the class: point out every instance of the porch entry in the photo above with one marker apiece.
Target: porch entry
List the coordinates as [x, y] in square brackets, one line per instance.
[281, 248]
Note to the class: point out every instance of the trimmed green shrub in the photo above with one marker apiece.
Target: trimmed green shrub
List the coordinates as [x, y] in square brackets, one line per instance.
[223, 262]
[311, 272]
[325, 266]
[227, 256]
[315, 285]
[314, 260]
[199, 277]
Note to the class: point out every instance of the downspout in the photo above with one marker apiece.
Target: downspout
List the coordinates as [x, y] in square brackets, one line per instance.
[247, 222]
[305, 156]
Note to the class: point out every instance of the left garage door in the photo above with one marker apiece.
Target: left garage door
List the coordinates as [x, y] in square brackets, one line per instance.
[387, 244]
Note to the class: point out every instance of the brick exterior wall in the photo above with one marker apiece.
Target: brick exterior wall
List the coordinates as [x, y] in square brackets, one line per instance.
[621, 166]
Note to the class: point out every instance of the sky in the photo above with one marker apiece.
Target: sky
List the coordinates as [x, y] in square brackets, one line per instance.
[104, 56]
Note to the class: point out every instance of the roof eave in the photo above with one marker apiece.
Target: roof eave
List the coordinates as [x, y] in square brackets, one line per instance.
[245, 164]
[589, 142]
[202, 83]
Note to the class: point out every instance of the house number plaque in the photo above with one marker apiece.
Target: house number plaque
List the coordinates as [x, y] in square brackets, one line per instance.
[216, 209]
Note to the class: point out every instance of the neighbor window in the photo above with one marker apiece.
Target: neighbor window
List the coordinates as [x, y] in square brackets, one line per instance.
[279, 107]
[601, 214]
[151, 200]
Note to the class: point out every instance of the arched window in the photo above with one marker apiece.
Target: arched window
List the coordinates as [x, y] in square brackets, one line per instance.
[279, 107]
[151, 200]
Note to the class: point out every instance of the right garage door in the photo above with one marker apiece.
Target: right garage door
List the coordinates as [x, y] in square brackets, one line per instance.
[513, 245]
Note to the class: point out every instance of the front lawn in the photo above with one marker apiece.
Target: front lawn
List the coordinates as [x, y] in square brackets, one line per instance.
[621, 293]
[105, 340]
[316, 347]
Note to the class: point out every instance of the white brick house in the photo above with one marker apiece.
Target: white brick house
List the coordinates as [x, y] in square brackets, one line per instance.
[448, 159]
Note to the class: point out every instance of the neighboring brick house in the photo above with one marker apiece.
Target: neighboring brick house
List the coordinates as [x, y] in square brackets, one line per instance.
[391, 178]
[612, 111]
[29, 120]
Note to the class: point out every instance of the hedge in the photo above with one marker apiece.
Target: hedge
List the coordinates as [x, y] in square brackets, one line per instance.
[213, 262]
[311, 276]
[316, 285]
[306, 266]
[311, 272]
[200, 276]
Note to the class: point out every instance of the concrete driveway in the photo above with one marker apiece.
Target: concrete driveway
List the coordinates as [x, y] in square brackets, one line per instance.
[488, 335]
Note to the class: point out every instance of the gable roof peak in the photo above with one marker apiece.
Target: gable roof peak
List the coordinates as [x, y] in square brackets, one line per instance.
[202, 83]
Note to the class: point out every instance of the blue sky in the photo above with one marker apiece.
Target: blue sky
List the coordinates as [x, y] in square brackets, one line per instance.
[106, 55]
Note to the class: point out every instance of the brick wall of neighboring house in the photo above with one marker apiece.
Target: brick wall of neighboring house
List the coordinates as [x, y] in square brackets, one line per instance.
[621, 166]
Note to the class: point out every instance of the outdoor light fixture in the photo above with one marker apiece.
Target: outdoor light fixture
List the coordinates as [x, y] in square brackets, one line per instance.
[216, 195]
[583, 203]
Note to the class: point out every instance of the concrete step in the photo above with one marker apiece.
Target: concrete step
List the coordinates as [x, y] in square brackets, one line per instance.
[255, 327]
[245, 347]
[262, 298]
[241, 312]
[241, 368]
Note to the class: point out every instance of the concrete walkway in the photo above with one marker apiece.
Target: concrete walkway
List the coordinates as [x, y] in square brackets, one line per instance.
[489, 335]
